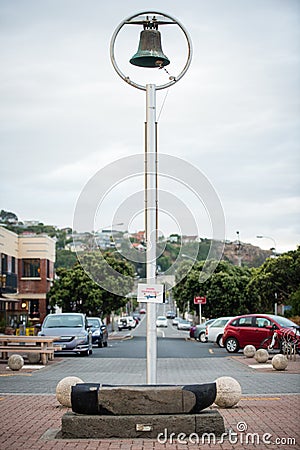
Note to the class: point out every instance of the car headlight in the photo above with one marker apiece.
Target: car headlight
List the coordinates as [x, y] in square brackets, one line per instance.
[97, 333]
[81, 336]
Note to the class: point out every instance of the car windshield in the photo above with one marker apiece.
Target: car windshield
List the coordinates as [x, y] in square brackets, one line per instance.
[161, 318]
[219, 323]
[63, 321]
[93, 323]
[284, 322]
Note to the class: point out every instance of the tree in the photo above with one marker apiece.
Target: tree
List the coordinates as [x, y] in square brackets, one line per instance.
[65, 258]
[74, 290]
[225, 289]
[277, 281]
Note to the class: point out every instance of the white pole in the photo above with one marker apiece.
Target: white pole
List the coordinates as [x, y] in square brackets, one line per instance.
[151, 225]
[200, 313]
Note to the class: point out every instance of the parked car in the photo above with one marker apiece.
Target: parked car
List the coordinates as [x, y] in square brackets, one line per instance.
[184, 324]
[198, 331]
[170, 315]
[126, 323]
[252, 329]
[162, 321]
[73, 330]
[175, 321]
[214, 331]
[143, 311]
[99, 331]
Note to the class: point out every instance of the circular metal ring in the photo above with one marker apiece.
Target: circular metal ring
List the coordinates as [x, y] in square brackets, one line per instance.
[126, 78]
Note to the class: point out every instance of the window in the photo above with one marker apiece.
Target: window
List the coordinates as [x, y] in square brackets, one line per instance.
[245, 322]
[13, 264]
[4, 266]
[31, 268]
[262, 322]
[48, 268]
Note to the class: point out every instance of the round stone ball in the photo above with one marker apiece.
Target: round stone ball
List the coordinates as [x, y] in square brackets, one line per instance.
[249, 351]
[15, 362]
[33, 358]
[229, 392]
[261, 355]
[279, 362]
[64, 389]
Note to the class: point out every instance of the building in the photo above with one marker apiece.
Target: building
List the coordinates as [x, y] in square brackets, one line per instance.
[27, 272]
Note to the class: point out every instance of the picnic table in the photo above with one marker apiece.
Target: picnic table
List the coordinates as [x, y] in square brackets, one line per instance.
[28, 344]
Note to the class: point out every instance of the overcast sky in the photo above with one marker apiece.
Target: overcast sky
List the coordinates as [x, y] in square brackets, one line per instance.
[66, 115]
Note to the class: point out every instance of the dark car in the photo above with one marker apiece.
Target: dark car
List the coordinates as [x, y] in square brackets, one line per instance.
[198, 331]
[99, 331]
[170, 315]
[252, 329]
[74, 333]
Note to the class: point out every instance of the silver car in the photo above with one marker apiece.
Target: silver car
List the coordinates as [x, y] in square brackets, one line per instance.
[74, 334]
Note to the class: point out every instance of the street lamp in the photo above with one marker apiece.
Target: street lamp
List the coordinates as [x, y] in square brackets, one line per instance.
[272, 239]
[150, 55]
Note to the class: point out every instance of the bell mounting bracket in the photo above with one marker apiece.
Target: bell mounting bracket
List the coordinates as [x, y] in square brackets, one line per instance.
[147, 23]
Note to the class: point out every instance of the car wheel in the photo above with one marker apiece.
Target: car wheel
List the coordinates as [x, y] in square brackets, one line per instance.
[105, 344]
[85, 353]
[202, 337]
[232, 345]
[220, 341]
[120, 329]
[100, 344]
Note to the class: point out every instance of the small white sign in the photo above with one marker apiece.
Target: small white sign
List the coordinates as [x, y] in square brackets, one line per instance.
[150, 293]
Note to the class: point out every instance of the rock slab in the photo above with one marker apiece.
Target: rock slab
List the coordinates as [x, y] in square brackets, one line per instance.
[75, 426]
[93, 398]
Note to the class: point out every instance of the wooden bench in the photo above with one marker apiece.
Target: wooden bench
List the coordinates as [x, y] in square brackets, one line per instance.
[25, 349]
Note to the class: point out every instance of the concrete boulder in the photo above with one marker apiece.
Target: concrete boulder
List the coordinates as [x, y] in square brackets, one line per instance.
[63, 390]
[229, 392]
[15, 362]
[249, 351]
[279, 362]
[261, 355]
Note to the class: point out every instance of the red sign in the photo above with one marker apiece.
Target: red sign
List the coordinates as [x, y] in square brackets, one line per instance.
[199, 300]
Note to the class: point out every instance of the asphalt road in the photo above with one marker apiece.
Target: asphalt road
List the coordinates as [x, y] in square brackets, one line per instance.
[171, 343]
[180, 361]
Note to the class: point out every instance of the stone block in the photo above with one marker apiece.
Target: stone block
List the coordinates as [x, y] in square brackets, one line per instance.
[75, 426]
[93, 398]
[145, 400]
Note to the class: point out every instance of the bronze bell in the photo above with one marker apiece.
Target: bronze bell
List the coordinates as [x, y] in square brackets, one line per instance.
[149, 53]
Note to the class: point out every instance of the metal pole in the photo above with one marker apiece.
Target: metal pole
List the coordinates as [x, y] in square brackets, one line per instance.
[200, 313]
[151, 225]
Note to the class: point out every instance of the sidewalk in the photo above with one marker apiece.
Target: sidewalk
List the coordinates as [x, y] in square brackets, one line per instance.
[32, 421]
[269, 420]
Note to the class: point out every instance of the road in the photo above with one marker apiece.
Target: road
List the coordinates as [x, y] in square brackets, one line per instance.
[180, 361]
[171, 343]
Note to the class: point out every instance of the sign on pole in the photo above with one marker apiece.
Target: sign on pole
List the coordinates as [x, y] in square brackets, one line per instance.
[199, 300]
[150, 293]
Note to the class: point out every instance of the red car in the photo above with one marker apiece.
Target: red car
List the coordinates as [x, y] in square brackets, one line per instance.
[252, 329]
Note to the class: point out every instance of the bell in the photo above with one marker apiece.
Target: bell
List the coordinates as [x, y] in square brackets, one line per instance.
[149, 53]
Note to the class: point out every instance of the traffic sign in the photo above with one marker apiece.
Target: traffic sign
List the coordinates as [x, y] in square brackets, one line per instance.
[199, 300]
[150, 293]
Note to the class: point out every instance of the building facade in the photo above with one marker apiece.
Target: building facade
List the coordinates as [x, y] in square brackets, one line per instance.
[27, 272]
